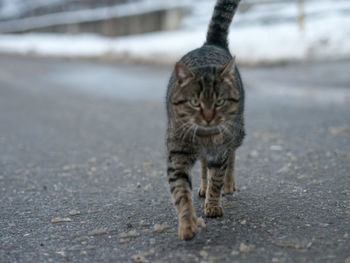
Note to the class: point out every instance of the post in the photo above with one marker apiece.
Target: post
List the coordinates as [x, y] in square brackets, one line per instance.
[301, 15]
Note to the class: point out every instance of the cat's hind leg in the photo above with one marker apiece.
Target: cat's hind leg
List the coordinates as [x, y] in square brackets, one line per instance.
[229, 182]
[204, 179]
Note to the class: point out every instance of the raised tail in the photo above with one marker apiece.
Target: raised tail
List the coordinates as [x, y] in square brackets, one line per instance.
[220, 22]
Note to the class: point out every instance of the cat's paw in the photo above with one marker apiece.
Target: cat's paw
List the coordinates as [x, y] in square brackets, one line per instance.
[201, 191]
[229, 190]
[214, 211]
[188, 229]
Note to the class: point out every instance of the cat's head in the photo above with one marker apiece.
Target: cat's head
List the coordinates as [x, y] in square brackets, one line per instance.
[205, 99]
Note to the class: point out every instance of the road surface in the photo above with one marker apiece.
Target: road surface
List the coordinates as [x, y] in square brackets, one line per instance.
[82, 166]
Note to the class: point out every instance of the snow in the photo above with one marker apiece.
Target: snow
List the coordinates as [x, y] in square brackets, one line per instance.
[265, 34]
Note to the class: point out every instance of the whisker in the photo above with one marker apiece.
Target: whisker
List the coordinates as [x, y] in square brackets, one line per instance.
[194, 134]
[225, 129]
[234, 125]
[222, 132]
[187, 132]
[182, 128]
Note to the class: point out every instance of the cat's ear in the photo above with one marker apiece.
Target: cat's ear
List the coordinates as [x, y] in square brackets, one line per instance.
[182, 73]
[229, 68]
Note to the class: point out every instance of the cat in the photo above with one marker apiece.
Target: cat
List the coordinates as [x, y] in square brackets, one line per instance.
[205, 104]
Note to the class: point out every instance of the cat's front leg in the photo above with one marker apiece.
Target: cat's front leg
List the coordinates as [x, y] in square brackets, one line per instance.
[217, 169]
[229, 184]
[204, 182]
[179, 165]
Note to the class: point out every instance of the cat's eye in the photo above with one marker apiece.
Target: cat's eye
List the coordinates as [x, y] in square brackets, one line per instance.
[195, 103]
[220, 102]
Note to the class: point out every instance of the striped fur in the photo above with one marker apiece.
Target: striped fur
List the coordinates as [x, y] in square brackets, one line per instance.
[229, 184]
[204, 175]
[205, 105]
[218, 28]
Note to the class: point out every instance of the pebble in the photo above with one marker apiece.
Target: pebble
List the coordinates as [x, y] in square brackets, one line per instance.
[160, 228]
[339, 130]
[66, 168]
[62, 253]
[139, 259]
[129, 234]
[64, 174]
[92, 160]
[98, 232]
[276, 148]
[310, 151]
[289, 244]
[277, 260]
[124, 240]
[74, 212]
[82, 239]
[284, 169]
[346, 192]
[147, 187]
[147, 164]
[243, 248]
[149, 253]
[61, 220]
[292, 156]
[152, 241]
[280, 142]
[143, 223]
[203, 253]
[74, 248]
[253, 154]
[30, 165]
[127, 171]
[243, 222]
[235, 253]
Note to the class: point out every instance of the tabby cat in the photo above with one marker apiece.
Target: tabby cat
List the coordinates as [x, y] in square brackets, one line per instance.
[205, 102]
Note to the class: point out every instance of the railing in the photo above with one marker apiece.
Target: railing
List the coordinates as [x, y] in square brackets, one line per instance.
[126, 19]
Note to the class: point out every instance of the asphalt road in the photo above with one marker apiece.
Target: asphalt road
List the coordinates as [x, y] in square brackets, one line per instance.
[82, 167]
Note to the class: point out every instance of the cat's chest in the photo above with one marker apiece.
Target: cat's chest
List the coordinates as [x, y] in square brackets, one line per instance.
[212, 152]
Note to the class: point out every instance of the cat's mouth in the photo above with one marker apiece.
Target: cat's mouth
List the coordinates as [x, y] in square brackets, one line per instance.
[207, 131]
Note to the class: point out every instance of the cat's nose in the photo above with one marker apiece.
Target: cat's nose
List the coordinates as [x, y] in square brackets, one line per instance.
[208, 115]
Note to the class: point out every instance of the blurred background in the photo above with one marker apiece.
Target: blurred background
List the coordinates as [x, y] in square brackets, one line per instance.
[161, 31]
